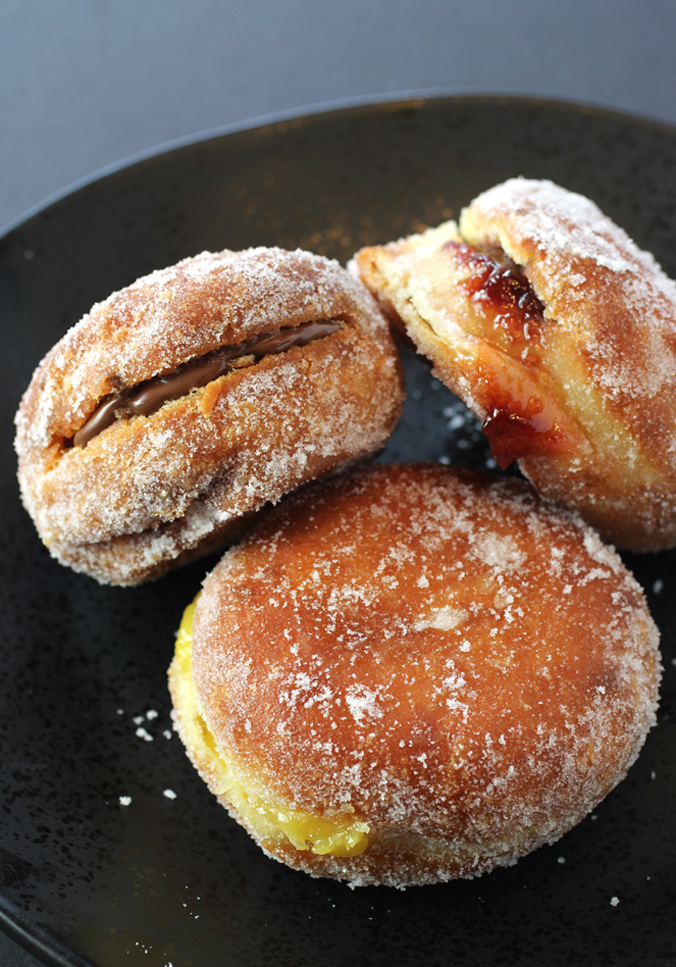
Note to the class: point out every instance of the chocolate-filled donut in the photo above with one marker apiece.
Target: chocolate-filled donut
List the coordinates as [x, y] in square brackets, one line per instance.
[560, 333]
[409, 674]
[182, 404]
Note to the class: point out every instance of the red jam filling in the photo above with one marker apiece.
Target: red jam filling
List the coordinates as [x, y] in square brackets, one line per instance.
[501, 292]
[522, 418]
[521, 421]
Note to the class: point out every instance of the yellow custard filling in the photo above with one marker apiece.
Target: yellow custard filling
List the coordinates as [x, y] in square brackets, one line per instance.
[269, 819]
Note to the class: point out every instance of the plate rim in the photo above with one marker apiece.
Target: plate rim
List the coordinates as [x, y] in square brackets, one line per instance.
[44, 948]
[389, 101]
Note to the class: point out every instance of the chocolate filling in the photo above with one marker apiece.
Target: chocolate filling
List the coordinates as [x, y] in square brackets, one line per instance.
[147, 397]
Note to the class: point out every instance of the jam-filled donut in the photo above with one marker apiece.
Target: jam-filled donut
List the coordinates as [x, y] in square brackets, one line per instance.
[560, 333]
[183, 403]
[412, 673]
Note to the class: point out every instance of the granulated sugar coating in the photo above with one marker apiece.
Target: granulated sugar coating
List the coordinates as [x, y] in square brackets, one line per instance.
[152, 488]
[560, 333]
[415, 673]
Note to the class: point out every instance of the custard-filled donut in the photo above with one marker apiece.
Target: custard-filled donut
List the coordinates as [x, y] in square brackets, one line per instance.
[186, 401]
[546, 319]
[413, 673]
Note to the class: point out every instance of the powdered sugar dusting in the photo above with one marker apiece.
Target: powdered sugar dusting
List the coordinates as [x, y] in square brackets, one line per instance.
[566, 225]
[444, 619]
[557, 233]
[363, 703]
[489, 690]
[600, 362]
[148, 489]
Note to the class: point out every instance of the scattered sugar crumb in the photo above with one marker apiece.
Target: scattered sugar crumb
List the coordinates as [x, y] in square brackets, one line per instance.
[169, 793]
[561, 859]
[151, 714]
[444, 619]
[614, 900]
[658, 586]
[143, 734]
[138, 719]
[125, 800]
[457, 421]
[653, 775]
[167, 733]
[120, 711]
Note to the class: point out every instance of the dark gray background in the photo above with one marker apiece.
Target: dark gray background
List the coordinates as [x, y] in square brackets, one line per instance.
[87, 83]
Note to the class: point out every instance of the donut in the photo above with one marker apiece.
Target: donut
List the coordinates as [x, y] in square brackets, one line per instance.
[560, 333]
[173, 411]
[408, 674]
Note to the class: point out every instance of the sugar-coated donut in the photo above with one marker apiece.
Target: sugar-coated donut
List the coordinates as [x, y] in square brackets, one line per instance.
[181, 404]
[560, 333]
[411, 673]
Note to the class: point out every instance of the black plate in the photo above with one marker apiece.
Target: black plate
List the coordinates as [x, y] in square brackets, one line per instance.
[85, 879]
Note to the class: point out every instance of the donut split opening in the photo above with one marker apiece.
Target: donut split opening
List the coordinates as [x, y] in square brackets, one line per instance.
[507, 311]
[523, 411]
[149, 396]
[271, 820]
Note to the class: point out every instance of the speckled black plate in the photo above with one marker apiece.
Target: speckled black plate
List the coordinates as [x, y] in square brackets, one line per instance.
[84, 709]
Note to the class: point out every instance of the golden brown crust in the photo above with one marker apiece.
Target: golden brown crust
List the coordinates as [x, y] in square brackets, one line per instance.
[149, 490]
[467, 668]
[607, 349]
